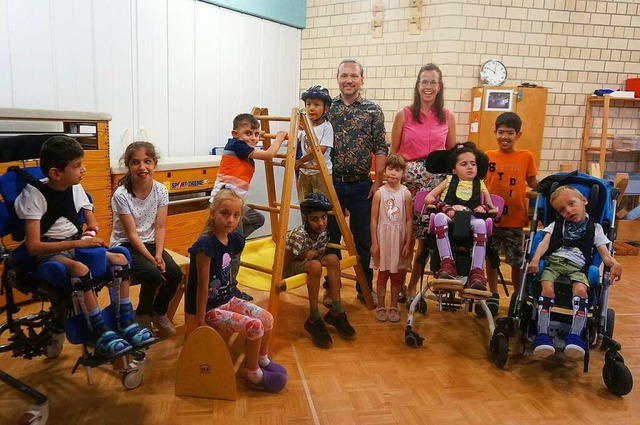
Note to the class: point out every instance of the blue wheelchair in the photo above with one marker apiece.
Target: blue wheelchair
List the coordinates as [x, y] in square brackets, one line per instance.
[60, 315]
[523, 311]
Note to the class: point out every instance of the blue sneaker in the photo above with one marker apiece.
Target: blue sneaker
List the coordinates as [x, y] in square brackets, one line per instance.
[543, 346]
[575, 347]
[239, 294]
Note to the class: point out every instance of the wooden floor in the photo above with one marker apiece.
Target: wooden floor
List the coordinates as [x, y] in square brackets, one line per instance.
[375, 379]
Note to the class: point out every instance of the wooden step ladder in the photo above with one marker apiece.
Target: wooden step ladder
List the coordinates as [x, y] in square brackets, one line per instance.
[279, 211]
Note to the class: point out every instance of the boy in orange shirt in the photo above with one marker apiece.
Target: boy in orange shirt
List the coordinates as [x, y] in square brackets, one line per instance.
[511, 170]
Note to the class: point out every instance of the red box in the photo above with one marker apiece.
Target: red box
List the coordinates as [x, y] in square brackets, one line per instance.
[633, 84]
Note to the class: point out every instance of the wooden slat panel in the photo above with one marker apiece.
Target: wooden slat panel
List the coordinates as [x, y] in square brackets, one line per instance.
[192, 179]
[183, 229]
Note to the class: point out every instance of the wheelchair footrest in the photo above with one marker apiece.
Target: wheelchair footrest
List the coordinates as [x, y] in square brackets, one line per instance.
[447, 285]
[475, 294]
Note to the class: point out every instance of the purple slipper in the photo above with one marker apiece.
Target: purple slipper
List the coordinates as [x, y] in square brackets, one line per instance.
[271, 381]
[274, 367]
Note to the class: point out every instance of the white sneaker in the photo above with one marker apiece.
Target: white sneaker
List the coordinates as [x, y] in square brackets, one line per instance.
[164, 325]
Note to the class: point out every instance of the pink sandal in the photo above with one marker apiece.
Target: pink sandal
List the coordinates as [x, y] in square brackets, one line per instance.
[381, 314]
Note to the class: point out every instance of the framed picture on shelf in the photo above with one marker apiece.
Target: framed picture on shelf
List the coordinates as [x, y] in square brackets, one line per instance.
[499, 100]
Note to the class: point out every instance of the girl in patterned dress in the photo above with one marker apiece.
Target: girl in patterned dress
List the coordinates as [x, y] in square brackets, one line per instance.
[391, 235]
[208, 298]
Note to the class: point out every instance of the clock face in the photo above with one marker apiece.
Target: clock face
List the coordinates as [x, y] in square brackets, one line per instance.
[493, 73]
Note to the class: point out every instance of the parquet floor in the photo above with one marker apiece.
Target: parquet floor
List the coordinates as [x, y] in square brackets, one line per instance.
[375, 379]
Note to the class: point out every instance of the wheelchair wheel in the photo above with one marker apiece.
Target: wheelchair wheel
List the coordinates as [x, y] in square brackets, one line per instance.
[412, 339]
[132, 378]
[422, 306]
[608, 331]
[512, 305]
[500, 348]
[54, 348]
[37, 415]
[617, 377]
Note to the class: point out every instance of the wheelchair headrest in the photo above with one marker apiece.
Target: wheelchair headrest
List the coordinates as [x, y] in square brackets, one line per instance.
[19, 148]
[440, 162]
[598, 192]
[11, 184]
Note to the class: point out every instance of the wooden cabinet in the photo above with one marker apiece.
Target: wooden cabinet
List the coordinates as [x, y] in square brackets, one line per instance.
[91, 129]
[487, 102]
[596, 143]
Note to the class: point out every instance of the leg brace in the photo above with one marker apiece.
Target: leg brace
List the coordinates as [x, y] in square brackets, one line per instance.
[544, 312]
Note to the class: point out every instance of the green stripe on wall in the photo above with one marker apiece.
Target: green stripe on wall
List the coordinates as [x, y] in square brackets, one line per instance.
[288, 12]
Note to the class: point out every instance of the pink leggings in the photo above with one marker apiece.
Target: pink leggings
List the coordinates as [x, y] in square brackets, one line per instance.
[479, 229]
[240, 316]
[384, 275]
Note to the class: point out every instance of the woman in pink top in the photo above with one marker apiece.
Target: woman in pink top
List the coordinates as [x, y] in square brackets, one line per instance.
[418, 130]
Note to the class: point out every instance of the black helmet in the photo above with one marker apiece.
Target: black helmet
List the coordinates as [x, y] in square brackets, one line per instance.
[315, 202]
[317, 92]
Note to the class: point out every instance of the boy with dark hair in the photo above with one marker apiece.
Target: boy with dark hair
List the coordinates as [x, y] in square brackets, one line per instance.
[305, 253]
[568, 243]
[50, 208]
[511, 170]
[236, 171]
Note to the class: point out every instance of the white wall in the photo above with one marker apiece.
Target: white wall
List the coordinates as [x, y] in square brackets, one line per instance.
[179, 69]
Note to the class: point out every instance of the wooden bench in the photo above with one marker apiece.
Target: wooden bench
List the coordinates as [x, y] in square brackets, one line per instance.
[182, 262]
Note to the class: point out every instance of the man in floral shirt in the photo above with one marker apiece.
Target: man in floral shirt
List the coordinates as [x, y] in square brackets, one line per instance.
[359, 133]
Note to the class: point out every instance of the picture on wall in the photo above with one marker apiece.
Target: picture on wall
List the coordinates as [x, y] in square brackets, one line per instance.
[499, 100]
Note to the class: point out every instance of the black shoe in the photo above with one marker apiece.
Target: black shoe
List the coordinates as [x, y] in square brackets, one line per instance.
[319, 334]
[340, 322]
[239, 294]
[493, 303]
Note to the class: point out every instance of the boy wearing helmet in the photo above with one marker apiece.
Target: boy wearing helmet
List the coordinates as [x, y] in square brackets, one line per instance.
[317, 101]
[305, 253]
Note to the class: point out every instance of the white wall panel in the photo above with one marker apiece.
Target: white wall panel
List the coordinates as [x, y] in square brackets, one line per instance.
[250, 73]
[6, 86]
[181, 76]
[72, 54]
[31, 55]
[113, 57]
[152, 72]
[232, 63]
[209, 130]
[181, 69]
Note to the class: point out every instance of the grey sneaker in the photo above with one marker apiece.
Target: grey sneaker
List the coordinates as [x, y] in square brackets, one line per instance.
[164, 325]
[374, 297]
[326, 299]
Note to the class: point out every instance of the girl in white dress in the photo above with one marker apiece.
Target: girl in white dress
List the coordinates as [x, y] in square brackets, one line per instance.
[391, 231]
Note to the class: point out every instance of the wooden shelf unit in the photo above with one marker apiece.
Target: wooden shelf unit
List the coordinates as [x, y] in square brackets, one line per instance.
[605, 102]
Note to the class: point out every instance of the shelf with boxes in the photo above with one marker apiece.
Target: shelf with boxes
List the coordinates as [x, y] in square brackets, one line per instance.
[604, 142]
[611, 146]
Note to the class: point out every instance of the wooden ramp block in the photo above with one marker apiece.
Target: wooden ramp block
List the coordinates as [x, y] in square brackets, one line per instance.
[447, 285]
[475, 294]
[205, 368]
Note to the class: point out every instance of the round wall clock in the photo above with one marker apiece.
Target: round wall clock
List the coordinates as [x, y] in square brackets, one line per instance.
[493, 72]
